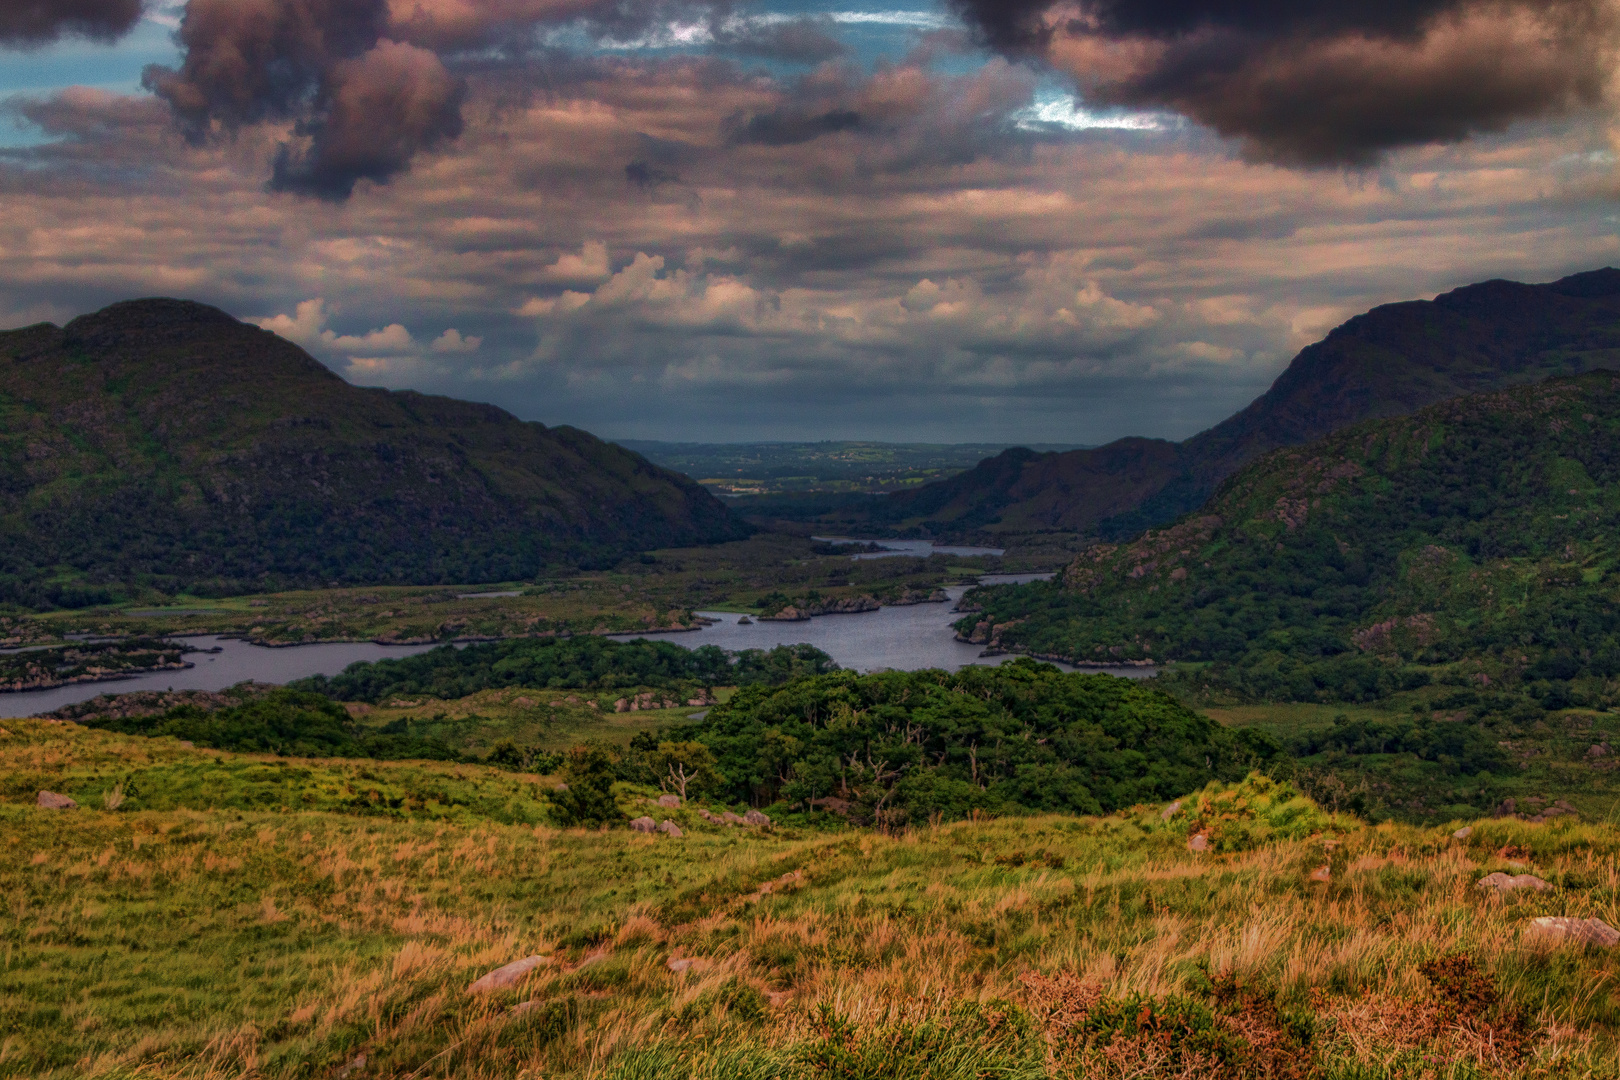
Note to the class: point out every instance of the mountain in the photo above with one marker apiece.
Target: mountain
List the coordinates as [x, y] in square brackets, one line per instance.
[1475, 543]
[1389, 362]
[164, 443]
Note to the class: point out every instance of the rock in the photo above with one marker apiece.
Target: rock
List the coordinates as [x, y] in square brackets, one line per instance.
[1503, 883]
[832, 803]
[674, 830]
[1463, 833]
[745, 621]
[1322, 873]
[503, 977]
[621, 705]
[670, 800]
[1560, 929]
[1200, 842]
[525, 1006]
[1600, 750]
[731, 819]
[1507, 808]
[187, 744]
[754, 817]
[678, 965]
[643, 824]
[1170, 811]
[50, 800]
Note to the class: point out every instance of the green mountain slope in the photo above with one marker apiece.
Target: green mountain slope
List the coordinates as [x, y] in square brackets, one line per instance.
[1475, 543]
[1389, 362]
[164, 442]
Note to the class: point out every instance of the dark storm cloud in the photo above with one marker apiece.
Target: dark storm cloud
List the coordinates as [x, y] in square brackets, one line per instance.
[786, 127]
[30, 23]
[364, 105]
[1322, 84]
[376, 112]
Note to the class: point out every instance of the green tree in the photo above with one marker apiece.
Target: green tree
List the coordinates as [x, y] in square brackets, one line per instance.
[588, 797]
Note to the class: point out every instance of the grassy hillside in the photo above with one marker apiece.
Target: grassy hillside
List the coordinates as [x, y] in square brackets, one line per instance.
[263, 917]
[162, 443]
[1388, 362]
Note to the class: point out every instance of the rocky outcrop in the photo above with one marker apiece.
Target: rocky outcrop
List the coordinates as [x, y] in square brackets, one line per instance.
[1562, 930]
[50, 800]
[1534, 810]
[1506, 883]
[509, 975]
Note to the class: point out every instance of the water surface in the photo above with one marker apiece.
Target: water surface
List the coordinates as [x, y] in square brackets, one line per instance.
[898, 638]
[237, 661]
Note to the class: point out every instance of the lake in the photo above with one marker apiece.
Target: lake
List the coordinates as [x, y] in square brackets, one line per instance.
[915, 549]
[901, 638]
[898, 638]
[237, 662]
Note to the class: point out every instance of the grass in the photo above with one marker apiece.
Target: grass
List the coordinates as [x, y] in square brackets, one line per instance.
[184, 941]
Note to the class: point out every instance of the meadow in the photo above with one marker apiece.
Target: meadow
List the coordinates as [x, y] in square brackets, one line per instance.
[248, 915]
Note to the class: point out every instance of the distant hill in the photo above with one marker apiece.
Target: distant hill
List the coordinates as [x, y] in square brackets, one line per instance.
[1389, 362]
[164, 443]
[1474, 543]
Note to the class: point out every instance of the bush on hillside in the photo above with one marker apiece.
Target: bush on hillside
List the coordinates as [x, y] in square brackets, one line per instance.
[576, 663]
[902, 747]
[287, 722]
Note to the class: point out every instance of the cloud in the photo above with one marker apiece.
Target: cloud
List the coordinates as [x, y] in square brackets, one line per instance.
[451, 341]
[808, 40]
[590, 265]
[307, 327]
[1337, 83]
[33, 23]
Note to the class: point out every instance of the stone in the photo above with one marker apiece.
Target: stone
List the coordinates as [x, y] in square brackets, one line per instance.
[1600, 750]
[621, 705]
[1199, 842]
[678, 965]
[674, 830]
[1171, 811]
[1504, 883]
[1560, 929]
[670, 800]
[50, 800]
[731, 819]
[1322, 874]
[1463, 833]
[643, 824]
[509, 975]
[754, 817]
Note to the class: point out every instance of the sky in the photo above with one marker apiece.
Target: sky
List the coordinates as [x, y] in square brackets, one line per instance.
[966, 221]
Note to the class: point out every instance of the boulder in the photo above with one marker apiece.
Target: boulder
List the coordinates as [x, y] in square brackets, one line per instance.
[754, 817]
[503, 977]
[1505, 883]
[50, 800]
[1600, 750]
[1322, 873]
[1170, 811]
[1199, 842]
[671, 800]
[1463, 833]
[1561, 929]
[643, 824]
[667, 826]
[677, 965]
[731, 819]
